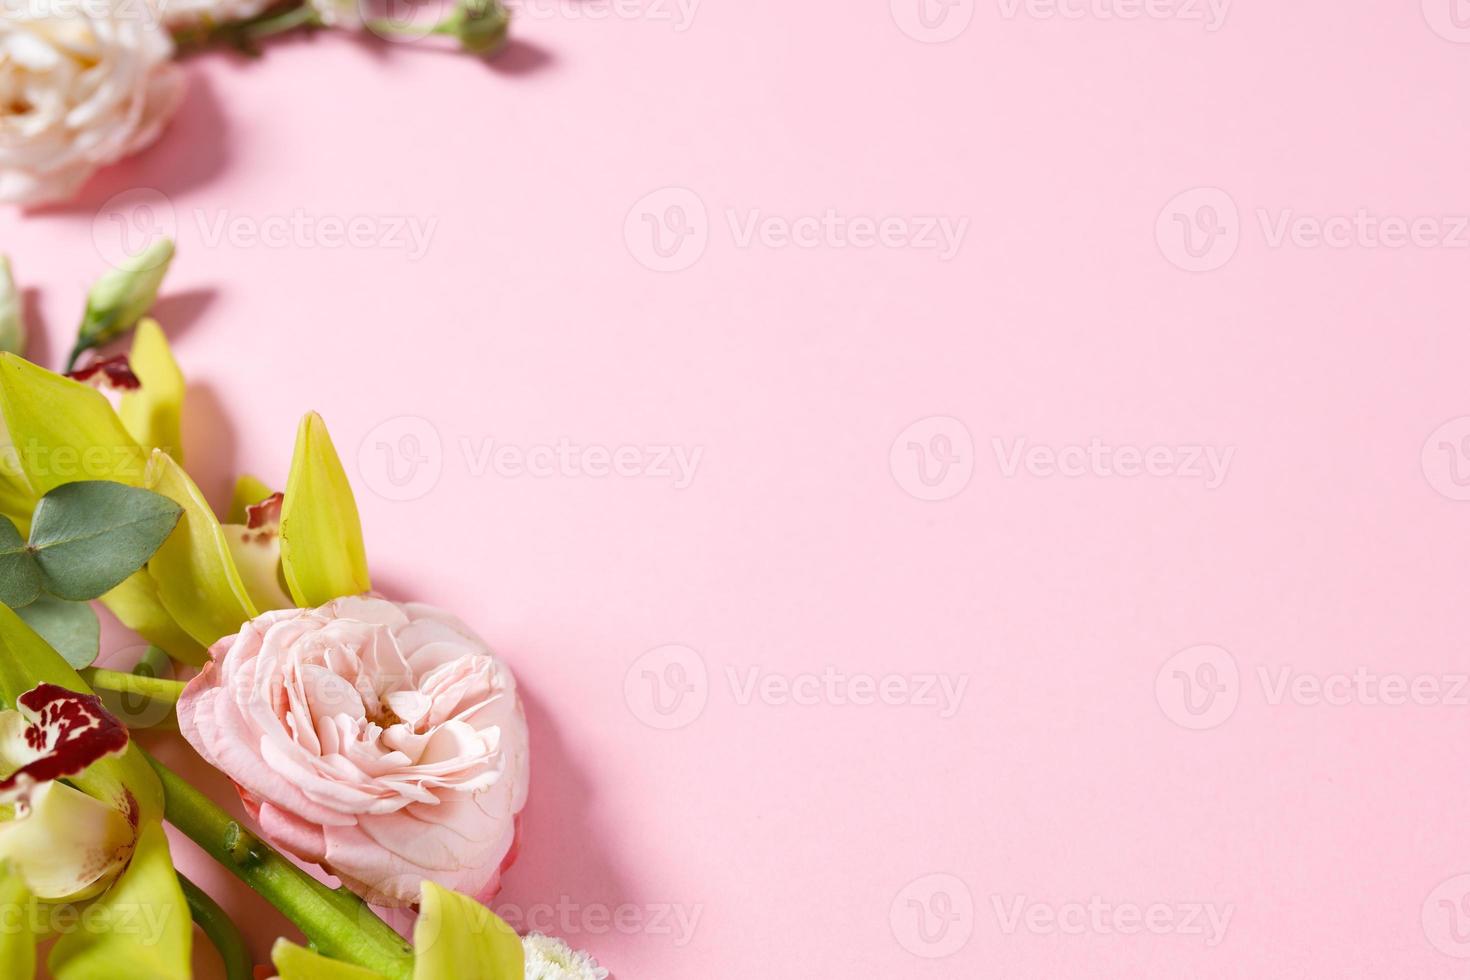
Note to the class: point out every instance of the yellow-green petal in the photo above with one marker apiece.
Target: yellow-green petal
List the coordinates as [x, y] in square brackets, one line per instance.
[249, 491]
[17, 941]
[321, 534]
[139, 927]
[456, 936]
[294, 962]
[153, 413]
[195, 576]
[137, 606]
[63, 430]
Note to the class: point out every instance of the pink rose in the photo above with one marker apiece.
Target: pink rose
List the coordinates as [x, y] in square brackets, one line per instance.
[380, 740]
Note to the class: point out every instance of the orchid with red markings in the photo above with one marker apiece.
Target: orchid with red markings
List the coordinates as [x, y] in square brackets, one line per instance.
[65, 844]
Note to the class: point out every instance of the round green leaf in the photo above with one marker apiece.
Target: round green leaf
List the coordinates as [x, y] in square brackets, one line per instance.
[70, 627]
[20, 576]
[89, 536]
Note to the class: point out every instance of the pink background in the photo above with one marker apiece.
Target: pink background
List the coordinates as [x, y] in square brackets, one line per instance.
[840, 840]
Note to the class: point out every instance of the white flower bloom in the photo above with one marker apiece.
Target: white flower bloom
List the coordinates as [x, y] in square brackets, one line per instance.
[552, 959]
[191, 13]
[83, 83]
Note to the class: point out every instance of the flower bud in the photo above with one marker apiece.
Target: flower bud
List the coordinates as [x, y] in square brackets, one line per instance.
[122, 297]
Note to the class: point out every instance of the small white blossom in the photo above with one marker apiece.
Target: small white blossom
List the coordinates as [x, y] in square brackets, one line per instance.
[552, 959]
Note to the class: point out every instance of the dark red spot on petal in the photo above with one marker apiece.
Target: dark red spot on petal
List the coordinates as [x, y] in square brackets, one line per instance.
[266, 515]
[73, 730]
[111, 374]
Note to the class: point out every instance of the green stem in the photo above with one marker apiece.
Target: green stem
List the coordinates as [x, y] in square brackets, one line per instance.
[243, 34]
[221, 931]
[339, 925]
[154, 688]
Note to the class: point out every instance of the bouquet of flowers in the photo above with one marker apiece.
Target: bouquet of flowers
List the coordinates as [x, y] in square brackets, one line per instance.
[381, 741]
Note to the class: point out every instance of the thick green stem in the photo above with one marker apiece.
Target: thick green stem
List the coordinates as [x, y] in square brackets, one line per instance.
[221, 931]
[154, 688]
[339, 925]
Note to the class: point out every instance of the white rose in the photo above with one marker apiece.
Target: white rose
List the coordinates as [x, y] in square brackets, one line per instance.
[192, 13]
[83, 83]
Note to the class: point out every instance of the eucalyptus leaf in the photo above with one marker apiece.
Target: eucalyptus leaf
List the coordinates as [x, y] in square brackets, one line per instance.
[89, 537]
[20, 576]
[71, 628]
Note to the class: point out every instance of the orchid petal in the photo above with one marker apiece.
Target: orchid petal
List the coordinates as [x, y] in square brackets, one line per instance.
[153, 414]
[194, 572]
[321, 534]
[68, 846]
[456, 936]
[17, 943]
[294, 962]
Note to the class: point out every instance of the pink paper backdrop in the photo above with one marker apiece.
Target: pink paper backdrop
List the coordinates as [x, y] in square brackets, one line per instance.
[1066, 576]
